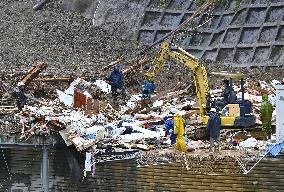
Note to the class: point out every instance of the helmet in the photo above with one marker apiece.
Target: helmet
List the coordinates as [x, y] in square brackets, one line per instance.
[173, 110]
[213, 110]
[165, 118]
[116, 67]
[20, 84]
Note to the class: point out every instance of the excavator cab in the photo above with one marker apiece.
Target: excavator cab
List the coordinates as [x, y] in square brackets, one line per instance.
[235, 112]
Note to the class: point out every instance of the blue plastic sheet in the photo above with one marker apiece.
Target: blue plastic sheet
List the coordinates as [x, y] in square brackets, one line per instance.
[91, 136]
[275, 149]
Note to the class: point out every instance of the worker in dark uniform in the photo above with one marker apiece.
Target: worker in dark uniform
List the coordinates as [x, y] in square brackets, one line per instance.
[229, 94]
[20, 96]
[227, 91]
[147, 87]
[116, 80]
[213, 129]
[169, 126]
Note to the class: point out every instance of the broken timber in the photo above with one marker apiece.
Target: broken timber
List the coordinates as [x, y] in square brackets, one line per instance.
[32, 73]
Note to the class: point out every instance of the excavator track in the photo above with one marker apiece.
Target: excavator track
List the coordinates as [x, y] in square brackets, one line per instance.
[199, 131]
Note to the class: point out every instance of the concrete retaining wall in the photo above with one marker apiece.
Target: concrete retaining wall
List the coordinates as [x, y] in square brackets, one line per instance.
[24, 168]
[249, 35]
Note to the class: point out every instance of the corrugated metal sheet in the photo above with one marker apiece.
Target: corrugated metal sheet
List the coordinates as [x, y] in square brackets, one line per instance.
[25, 169]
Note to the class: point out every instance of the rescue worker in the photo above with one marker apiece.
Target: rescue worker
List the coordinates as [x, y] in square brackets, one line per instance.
[209, 101]
[147, 87]
[179, 130]
[20, 96]
[116, 80]
[227, 91]
[266, 111]
[169, 125]
[213, 129]
[229, 94]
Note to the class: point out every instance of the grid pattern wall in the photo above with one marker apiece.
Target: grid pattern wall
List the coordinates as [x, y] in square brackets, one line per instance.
[22, 173]
[251, 35]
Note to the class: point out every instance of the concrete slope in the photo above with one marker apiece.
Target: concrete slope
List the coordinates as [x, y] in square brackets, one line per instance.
[250, 35]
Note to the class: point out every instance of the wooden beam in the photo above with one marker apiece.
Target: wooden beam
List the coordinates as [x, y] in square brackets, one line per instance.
[32, 73]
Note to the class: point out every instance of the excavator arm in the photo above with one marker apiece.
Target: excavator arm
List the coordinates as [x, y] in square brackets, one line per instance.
[159, 61]
[199, 72]
[236, 114]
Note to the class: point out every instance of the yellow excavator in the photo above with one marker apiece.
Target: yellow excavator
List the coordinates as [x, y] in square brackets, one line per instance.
[236, 113]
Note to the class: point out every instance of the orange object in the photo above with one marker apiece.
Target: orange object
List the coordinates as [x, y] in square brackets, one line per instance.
[80, 99]
[88, 104]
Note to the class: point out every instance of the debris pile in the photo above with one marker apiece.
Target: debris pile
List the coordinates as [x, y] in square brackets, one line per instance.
[85, 117]
[85, 126]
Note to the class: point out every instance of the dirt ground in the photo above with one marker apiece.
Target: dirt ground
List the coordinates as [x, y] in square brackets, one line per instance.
[70, 46]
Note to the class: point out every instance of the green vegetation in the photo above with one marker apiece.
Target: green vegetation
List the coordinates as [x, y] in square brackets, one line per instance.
[238, 3]
[220, 2]
[164, 3]
[200, 2]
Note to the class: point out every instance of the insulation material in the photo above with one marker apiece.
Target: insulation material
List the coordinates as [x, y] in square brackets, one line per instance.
[88, 162]
[105, 87]
[158, 103]
[65, 98]
[250, 142]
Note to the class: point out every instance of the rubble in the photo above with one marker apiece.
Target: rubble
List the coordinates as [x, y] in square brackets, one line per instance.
[107, 124]
[110, 132]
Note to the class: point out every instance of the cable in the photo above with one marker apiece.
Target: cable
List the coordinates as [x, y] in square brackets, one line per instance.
[7, 167]
[95, 12]
[248, 171]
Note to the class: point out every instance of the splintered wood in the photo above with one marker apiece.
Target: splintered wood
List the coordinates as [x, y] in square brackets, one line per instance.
[32, 73]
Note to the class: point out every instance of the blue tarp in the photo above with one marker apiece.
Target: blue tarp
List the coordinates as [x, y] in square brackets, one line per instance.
[275, 149]
[91, 136]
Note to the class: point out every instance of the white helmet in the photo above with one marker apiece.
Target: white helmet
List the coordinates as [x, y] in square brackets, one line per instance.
[213, 110]
[173, 110]
[20, 83]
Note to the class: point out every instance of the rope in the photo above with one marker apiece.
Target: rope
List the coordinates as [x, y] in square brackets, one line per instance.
[6, 164]
[245, 171]
[248, 171]
[96, 11]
